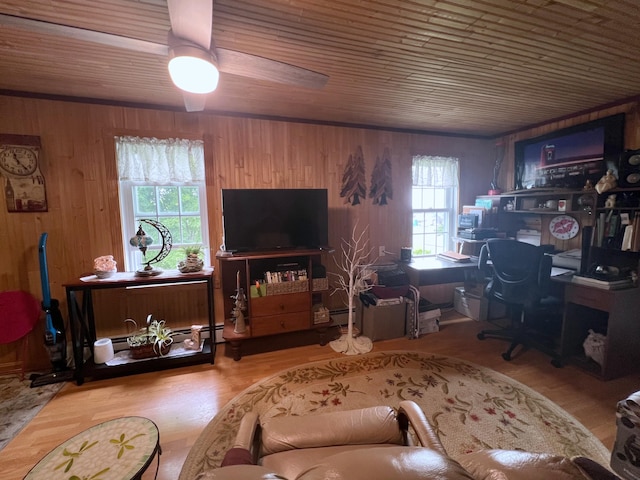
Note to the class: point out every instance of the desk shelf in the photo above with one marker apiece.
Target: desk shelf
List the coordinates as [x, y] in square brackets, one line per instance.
[610, 312]
[83, 323]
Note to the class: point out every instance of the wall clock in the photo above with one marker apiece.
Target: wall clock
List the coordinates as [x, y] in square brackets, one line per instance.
[24, 187]
[564, 227]
[18, 160]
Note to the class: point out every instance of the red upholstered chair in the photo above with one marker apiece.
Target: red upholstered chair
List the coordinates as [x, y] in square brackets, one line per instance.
[19, 313]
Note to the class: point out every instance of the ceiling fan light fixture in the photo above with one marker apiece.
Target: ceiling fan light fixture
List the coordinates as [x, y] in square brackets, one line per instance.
[193, 69]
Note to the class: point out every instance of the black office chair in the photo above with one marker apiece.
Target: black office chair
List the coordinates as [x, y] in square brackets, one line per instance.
[520, 277]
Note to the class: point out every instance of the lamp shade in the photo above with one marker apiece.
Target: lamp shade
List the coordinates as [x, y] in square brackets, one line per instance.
[193, 69]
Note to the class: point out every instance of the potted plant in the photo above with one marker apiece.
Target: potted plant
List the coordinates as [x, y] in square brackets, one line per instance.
[154, 340]
[193, 261]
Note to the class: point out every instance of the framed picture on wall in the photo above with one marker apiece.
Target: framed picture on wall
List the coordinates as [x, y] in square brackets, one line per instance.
[24, 185]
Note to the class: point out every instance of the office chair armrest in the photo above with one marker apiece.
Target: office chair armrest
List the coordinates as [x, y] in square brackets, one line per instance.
[544, 275]
[483, 257]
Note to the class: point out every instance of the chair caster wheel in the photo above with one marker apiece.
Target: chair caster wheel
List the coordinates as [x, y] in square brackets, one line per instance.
[480, 336]
[506, 356]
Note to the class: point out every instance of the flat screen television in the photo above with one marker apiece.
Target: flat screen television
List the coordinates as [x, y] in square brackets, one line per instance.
[569, 157]
[274, 219]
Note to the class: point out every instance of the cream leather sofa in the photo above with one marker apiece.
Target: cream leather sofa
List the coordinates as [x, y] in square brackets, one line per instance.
[376, 443]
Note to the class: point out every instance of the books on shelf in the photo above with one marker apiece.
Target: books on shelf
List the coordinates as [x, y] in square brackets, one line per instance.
[606, 284]
[454, 256]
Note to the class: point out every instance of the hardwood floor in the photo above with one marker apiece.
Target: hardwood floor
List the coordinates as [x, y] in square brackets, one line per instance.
[182, 401]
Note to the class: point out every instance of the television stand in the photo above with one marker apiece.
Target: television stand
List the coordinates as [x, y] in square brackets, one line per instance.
[281, 293]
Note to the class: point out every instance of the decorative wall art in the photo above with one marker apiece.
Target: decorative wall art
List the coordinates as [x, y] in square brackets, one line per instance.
[353, 179]
[24, 186]
[381, 185]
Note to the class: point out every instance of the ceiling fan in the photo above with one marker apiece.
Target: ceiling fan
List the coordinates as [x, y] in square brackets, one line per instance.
[188, 43]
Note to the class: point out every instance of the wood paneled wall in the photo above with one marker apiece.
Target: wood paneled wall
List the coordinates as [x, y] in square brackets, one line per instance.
[83, 219]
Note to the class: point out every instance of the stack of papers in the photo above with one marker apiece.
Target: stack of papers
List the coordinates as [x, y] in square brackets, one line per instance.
[454, 256]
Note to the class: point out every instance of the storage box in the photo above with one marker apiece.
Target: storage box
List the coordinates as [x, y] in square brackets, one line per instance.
[383, 322]
[625, 456]
[472, 306]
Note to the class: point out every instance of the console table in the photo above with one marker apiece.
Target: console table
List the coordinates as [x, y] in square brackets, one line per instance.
[83, 328]
[119, 449]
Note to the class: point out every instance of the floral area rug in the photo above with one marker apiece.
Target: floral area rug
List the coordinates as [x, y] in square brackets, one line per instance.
[19, 403]
[471, 407]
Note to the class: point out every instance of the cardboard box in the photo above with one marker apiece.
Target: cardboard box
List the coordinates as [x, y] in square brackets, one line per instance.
[625, 456]
[472, 306]
[384, 322]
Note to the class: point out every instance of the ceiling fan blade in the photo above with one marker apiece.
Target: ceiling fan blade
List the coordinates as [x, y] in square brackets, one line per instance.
[194, 102]
[253, 66]
[192, 20]
[109, 39]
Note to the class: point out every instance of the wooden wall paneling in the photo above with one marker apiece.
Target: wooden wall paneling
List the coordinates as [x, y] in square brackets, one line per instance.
[83, 220]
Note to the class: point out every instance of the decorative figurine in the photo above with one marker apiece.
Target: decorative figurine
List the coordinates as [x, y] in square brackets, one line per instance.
[610, 202]
[240, 305]
[607, 182]
[588, 185]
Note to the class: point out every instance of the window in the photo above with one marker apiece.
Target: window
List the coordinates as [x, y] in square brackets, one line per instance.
[162, 180]
[434, 203]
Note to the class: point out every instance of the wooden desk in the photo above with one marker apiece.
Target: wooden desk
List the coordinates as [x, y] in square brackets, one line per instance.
[433, 270]
[610, 312]
[119, 449]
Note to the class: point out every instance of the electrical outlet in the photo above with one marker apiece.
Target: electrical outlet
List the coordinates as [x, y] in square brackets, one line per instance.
[381, 251]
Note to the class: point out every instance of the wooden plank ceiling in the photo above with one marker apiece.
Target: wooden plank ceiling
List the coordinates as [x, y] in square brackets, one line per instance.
[481, 67]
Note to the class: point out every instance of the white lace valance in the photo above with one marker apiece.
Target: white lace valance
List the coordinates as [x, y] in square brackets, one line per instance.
[161, 161]
[429, 171]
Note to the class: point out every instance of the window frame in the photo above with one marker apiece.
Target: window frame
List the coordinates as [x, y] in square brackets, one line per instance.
[452, 201]
[130, 220]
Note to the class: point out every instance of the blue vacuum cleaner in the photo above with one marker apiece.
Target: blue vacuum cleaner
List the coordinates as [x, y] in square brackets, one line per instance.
[55, 339]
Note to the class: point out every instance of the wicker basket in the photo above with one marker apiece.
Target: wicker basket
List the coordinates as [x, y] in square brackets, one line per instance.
[320, 314]
[287, 287]
[320, 284]
[147, 351]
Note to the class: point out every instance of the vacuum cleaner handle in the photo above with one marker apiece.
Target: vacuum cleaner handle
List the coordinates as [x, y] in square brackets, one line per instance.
[50, 331]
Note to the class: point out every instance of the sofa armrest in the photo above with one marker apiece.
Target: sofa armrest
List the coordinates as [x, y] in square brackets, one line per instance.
[373, 425]
[248, 436]
[409, 413]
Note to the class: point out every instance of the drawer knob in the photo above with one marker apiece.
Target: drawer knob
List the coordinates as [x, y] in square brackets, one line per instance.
[282, 324]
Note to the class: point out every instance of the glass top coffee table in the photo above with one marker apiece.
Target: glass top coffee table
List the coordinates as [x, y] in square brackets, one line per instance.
[119, 449]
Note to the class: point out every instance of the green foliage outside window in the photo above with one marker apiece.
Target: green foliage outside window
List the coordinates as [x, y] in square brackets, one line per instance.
[178, 209]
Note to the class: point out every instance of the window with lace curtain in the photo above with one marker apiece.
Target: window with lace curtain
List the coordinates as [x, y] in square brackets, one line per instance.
[434, 203]
[163, 180]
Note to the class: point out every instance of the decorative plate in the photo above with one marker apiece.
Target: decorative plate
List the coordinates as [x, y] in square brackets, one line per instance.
[564, 227]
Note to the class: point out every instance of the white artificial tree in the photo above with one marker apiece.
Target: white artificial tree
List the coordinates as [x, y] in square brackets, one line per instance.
[357, 271]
